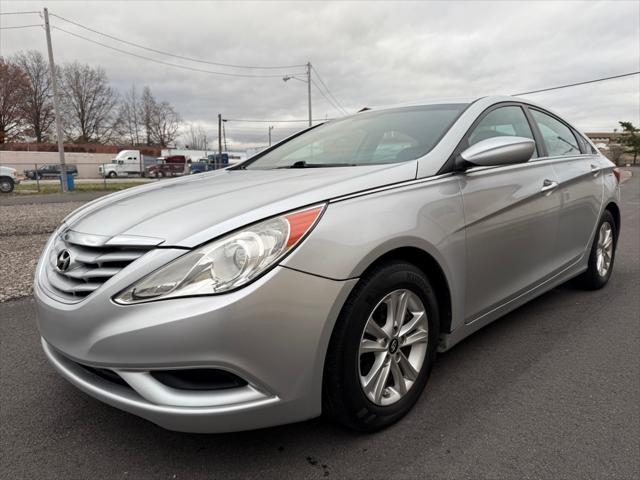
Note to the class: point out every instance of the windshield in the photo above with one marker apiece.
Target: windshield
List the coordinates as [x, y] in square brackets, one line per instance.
[368, 138]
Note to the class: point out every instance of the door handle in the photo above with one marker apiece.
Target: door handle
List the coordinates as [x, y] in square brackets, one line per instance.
[548, 185]
[595, 169]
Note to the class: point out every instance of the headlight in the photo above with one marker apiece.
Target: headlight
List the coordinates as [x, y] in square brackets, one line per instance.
[227, 263]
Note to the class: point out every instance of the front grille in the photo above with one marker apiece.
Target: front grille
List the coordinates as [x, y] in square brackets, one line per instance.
[89, 261]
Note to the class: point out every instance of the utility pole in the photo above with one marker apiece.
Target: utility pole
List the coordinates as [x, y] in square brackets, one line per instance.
[309, 89]
[286, 78]
[56, 102]
[219, 137]
[270, 128]
[224, 134]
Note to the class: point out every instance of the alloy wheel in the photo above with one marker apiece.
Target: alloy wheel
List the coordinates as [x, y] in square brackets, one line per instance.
[604, 250]
[393, 347]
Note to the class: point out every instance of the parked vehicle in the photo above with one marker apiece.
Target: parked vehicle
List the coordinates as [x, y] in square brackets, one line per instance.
[211, 162]
[324, 273]
[167, 166]
[8, 179]
[126, 163]
[49, 171]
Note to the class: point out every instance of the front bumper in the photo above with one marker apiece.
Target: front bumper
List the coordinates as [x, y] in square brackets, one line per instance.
[273, 333]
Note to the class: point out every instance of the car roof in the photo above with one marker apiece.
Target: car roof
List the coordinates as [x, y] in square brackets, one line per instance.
[483, 102]
[488, 99]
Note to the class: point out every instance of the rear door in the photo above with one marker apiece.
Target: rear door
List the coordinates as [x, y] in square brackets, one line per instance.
[511, 215]
[577, 167]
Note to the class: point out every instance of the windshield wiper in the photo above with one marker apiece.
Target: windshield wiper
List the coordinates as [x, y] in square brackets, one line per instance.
[303, 164]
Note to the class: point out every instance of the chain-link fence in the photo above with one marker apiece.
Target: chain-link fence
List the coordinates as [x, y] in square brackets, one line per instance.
[47, 178]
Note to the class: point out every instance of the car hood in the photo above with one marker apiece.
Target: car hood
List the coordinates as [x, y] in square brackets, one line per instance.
[191, 210]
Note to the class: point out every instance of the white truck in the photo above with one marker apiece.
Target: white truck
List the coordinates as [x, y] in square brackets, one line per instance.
[126, 163]
[8, 178]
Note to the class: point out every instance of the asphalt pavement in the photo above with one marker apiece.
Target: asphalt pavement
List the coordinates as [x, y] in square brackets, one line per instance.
[552, 390]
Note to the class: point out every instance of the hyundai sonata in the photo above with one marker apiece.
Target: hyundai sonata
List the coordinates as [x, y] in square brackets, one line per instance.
[324, 274]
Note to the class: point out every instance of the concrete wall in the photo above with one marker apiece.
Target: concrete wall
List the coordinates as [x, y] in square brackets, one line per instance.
[86, 163]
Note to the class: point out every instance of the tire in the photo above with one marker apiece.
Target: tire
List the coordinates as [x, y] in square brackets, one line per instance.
[112, 174]
[6, 184]
[595, 277]
[347, 368]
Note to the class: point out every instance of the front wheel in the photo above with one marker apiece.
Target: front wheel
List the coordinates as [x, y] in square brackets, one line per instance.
[6, 184]
[382, 348]
[602, 254]
[112, 174]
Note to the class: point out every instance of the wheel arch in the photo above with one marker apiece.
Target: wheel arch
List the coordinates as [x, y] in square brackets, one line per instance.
[613, 208]
[434, 272]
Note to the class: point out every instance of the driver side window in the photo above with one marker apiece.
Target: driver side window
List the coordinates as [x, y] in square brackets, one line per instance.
[507, 121]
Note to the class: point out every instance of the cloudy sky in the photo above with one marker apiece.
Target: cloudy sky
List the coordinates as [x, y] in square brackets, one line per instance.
[366, 52]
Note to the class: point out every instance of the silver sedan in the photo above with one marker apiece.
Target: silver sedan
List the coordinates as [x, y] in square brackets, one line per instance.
[324, 274]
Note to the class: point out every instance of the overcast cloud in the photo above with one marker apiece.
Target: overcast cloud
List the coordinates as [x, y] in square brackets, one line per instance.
[368, 53]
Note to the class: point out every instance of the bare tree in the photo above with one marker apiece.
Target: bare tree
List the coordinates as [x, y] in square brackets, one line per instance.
[88, 103]
[13, 86]
[147, 107]
[130, 117]
[36, 106]
[197, 137]
[164, 124]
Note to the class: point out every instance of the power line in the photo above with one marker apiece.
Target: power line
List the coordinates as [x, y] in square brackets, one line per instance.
[329, 91]
[327, 98]
[578, 83]
[22, 26]
[19, 13]
[168, 54]
[162, 62]
[277, 121]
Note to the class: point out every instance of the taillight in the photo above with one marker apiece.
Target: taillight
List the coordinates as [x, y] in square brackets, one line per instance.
[616, 173]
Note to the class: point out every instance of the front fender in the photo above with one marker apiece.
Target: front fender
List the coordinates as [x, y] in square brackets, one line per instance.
[354, 232]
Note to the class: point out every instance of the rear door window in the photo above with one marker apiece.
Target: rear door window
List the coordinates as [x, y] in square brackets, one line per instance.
[558, 138]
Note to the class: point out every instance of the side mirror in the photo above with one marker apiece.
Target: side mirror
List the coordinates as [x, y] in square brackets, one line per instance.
[499, 151]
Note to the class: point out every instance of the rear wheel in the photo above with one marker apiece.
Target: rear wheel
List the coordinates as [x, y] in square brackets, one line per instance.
[6, 184]
[382, 348]
[602, 254]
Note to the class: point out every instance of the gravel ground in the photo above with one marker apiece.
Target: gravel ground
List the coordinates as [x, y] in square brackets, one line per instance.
[24, 230]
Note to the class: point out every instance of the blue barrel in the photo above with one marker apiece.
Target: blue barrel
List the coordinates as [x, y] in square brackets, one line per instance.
[71, 184]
